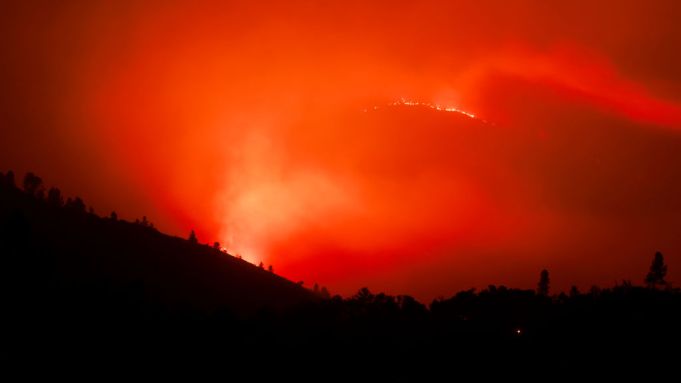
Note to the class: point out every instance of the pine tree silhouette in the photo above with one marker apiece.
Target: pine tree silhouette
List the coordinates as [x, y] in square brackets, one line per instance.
[54, 197]
[658, 270]
[32, 183]
[192, 237]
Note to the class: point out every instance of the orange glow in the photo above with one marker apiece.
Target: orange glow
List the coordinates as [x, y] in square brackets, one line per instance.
[410, 147]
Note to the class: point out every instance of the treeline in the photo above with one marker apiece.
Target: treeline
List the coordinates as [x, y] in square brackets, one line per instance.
[34, 187]
[97, 289]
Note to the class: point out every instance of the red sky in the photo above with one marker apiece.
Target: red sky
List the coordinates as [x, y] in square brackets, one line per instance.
[246, 121]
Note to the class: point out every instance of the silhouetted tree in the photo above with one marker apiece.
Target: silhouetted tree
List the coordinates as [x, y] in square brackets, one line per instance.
[658, 270]
[574, 291]
[113, 216]
[270, 268]
[216, 245]
[54, 197]
[261, 265]
[626, 284]
[543, 285]
[364, 295]
[192, 237]
[32, 183]
[315, 288]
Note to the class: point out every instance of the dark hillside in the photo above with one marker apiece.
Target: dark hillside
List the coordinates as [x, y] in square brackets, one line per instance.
[65, 253]
[78, 288]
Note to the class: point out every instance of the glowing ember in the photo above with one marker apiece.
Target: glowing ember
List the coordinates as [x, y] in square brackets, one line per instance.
[438, 107]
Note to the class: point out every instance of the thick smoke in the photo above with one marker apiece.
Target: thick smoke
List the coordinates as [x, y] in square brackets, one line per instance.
[254, 124]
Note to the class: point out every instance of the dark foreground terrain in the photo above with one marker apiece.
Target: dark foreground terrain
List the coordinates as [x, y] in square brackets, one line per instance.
[80, 291]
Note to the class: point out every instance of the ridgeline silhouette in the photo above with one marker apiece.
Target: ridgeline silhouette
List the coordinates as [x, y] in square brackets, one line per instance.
[104, 290]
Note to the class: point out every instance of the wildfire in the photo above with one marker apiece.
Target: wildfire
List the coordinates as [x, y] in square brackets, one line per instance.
[438, 107]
